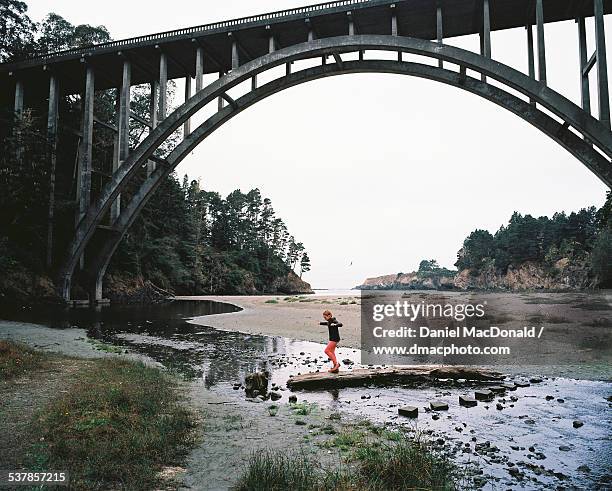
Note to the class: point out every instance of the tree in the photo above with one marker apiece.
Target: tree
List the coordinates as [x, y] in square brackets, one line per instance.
[304, 264]
[478, 246]
[427, 266]
[57, 34]
[16, 30]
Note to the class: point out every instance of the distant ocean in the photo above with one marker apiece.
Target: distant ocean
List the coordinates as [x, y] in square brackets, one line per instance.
[333, 292]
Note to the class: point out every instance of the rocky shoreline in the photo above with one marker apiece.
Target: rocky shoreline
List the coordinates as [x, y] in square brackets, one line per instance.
[563, 276]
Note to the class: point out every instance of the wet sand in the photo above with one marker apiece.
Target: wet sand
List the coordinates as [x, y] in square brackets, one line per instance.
[290, 319]
[578, 326]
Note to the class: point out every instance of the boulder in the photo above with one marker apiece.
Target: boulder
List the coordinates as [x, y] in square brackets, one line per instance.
[256, 383]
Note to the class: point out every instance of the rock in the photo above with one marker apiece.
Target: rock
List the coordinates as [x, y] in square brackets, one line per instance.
[438, 406]
[564, 448]
[561, 401]
[275, 396]
[535, 380]
[522, 385]
[256, 383]
[509, 386]
[347, 361]
[584, 468]
[291, 284]
[467, 401]
[483, 395]
[497, 389]
[499, 406]
[408, 411]
[577, 424]
[300, 422]
[292, 399]
[549, 398]
[435, 417]
[409, 281]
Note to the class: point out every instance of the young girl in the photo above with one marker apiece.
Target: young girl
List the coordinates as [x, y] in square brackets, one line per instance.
[334, 338]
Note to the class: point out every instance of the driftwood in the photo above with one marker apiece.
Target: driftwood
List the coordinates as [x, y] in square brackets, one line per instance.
[389, 376]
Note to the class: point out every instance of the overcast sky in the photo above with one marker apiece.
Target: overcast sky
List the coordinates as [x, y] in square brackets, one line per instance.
[379, 171]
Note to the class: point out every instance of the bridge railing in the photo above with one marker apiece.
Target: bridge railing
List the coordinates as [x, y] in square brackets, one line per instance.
[203, 28]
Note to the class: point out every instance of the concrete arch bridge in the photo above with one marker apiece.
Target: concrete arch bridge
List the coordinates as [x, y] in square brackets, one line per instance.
[343, 37]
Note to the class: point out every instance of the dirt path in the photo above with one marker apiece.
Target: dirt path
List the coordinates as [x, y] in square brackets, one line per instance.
[22, 396]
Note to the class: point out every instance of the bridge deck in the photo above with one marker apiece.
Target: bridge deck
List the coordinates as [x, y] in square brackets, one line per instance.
[416, 18]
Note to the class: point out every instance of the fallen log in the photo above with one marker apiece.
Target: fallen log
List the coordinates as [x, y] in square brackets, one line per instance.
[389, 376]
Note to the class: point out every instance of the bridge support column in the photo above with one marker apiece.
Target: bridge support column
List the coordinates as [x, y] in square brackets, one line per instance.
[221, 102]
[153, 118]
[351, 24]
[163, 85]
[394, 30]
[187, 125]
[19, 97]
[530, 56]
[235, 54]
[439, 29]
[311, 35]
[602, 64]
[52, 120]
[123, 127]
[85, 150]
[541, 41]
[585, 90]
[485, 34]
[199, 69]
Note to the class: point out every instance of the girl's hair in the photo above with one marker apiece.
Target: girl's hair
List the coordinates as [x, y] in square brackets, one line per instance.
[327, 312]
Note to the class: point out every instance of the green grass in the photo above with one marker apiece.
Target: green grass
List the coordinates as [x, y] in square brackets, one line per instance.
[17, 359]
[407, 464]
[102, 346]
[116, 426]
[272, 300]
[302, 408]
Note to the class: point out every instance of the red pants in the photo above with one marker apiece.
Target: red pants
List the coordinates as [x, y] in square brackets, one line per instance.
[330, 351]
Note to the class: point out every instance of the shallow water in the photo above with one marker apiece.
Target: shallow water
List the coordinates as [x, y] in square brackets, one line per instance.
[527, 432]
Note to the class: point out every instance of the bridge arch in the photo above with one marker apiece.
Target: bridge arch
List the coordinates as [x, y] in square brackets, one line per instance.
[594, 151]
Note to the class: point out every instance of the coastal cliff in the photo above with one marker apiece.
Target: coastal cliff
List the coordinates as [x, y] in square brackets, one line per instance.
[408, 281]
[564, 275]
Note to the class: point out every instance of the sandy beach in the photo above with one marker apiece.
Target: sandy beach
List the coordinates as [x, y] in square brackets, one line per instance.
[296, 319]
[576, 324]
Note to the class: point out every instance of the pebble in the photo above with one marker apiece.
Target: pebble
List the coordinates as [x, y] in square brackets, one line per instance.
[577, 423]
